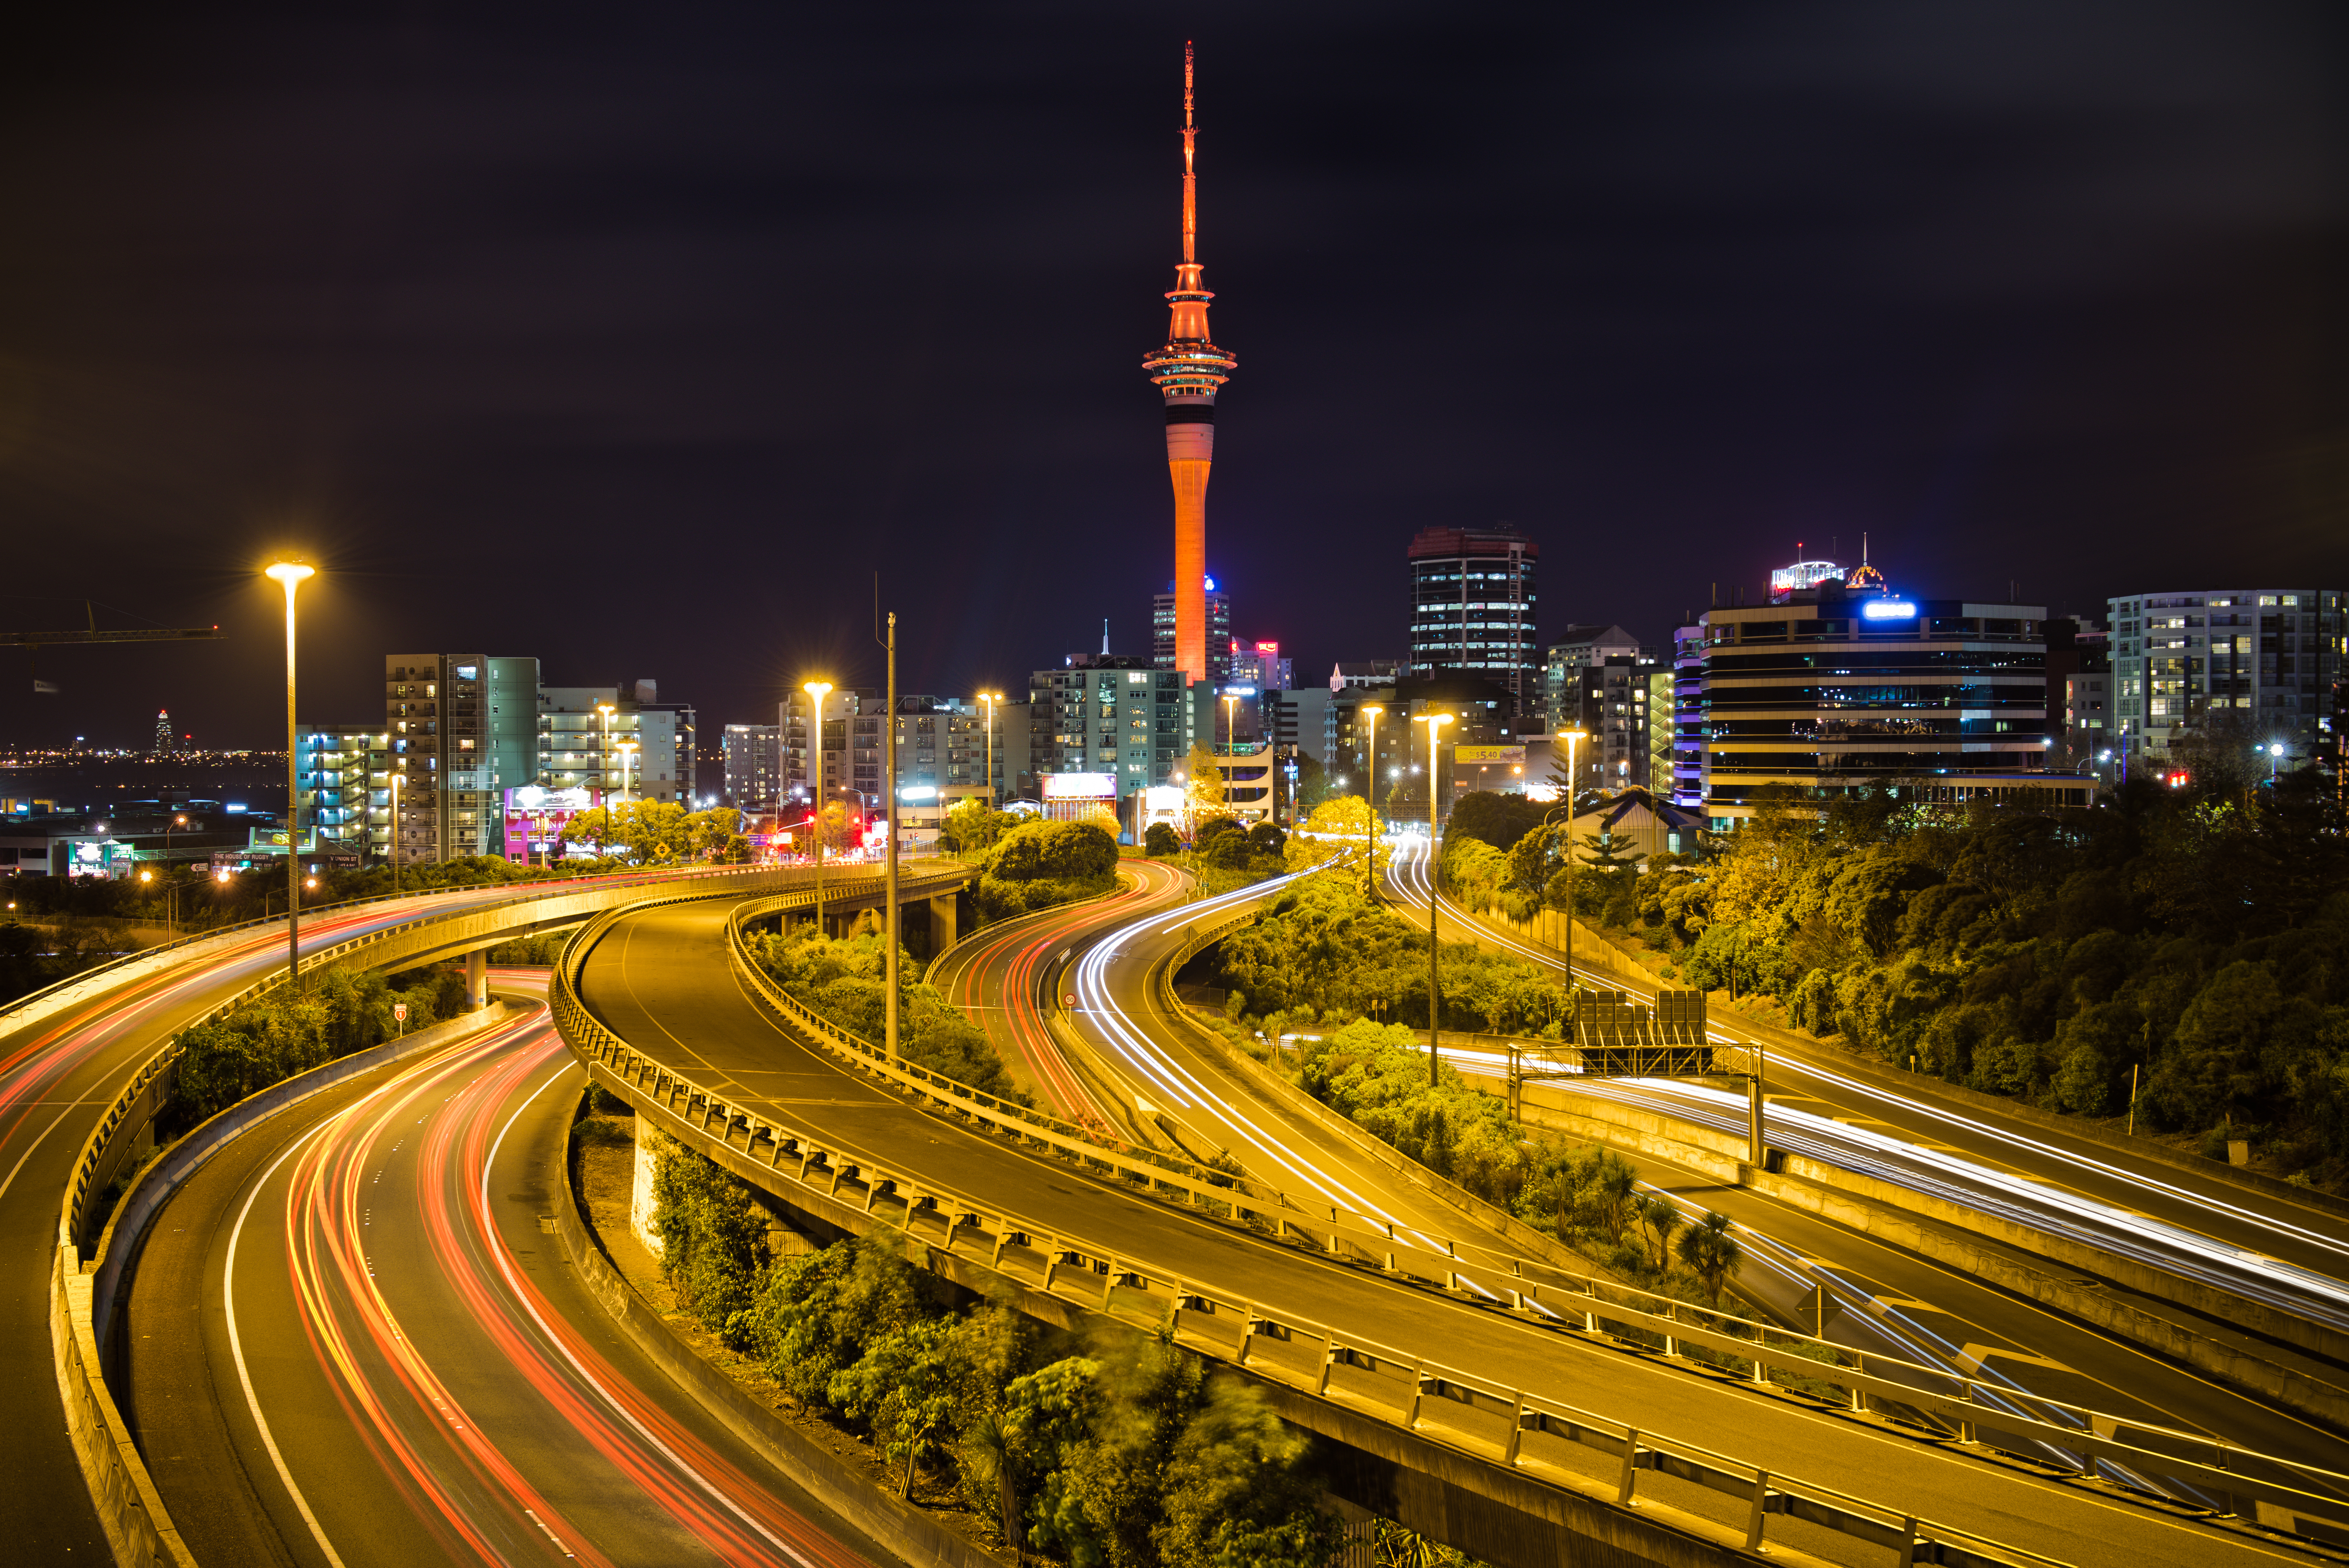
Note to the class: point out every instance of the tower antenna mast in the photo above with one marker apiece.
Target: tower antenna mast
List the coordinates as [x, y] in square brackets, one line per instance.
[1190, 167]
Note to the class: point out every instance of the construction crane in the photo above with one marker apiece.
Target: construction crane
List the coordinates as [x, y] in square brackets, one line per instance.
[37, 641]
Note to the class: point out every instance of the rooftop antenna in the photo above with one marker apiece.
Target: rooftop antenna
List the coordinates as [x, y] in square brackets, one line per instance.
[1104, 633]
[1190, 176]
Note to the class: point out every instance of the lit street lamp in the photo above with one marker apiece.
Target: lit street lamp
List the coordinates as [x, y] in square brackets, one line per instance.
[818, 690]
[1572, 738]
[1370, 710]
[990, 698]
[604, 771]
[291, 573]
[1436, 723]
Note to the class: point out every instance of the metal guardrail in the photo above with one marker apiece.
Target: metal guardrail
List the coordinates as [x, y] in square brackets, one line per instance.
[1430, 1398]
[1986, 1414]
[1994, 1415]
[1127, 1159]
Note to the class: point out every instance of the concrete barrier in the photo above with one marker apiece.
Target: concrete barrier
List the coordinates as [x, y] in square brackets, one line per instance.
[902, 1528]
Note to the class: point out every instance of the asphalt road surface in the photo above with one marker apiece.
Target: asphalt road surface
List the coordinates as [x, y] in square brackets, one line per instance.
[352, 1341]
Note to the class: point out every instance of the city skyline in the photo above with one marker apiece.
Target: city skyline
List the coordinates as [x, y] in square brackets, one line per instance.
[605, 408]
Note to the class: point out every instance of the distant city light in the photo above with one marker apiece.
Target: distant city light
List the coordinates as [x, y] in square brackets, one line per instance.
[1889, 610]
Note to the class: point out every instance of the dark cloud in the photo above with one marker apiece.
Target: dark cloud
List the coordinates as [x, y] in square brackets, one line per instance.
[637, 340]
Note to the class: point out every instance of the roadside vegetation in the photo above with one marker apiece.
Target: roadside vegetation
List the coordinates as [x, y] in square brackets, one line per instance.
[2191, 941]
[1035, 866]
[1125, 1450]
[1348, 979]
[267, 1042]
[844, 979]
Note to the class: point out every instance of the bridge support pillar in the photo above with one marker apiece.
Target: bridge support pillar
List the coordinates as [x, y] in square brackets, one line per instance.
[942, 923]
[477, 977]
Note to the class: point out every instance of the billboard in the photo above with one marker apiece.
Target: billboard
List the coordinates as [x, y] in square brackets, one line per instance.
[1472, 755]
[1080, 785]
[534, 817]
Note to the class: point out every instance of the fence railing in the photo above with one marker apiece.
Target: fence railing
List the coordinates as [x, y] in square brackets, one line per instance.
[1935, 1401]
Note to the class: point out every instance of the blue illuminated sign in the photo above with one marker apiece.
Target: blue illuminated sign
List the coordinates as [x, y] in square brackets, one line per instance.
[1889, 610]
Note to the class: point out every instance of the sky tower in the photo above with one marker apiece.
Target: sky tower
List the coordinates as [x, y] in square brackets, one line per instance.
[1187, 372]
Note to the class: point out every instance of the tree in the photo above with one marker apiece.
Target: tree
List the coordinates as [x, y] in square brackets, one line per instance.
[973, 824]
[1335, 826]
[1160, 841]
[1659, 1218]
[1498, 819]
[1712, 1254]
[1204, 799]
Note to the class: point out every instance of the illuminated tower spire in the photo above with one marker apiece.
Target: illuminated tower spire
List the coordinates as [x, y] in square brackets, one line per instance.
[1187, 372]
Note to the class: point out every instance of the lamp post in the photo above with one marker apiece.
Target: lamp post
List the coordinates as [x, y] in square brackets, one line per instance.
[990, 698]
[1231, 722]
[394, 845]
[291, 573]
[604, 768]
[1572, 738]
[818, 690]
[1370, 710]
[889, 854]
[1436, 723]
[2275, 760]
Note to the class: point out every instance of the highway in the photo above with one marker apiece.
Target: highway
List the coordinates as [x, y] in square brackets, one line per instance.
[60, 1069]
[390, 1363]
[660, 980]
[2198, 1227]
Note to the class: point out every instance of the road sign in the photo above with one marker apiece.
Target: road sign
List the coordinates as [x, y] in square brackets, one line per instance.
[400, 1011]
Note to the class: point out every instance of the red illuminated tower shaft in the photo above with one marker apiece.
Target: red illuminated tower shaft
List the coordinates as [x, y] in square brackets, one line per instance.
[1187, 372]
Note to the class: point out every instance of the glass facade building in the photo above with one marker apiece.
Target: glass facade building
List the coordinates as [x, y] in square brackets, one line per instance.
[2275, 654]
[1837, 688]
[1472, 608]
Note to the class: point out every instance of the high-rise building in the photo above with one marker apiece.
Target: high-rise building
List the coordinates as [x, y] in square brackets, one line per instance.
[1188, 370]
[1219, 632]
[1107, 713]
[751, 780]
[1660, 731]
[602, 739]
[1578, 648]
[1259, 665]
[2274, 654]
[162, 731]
[1472, 608]
[1596, 679]
[681, 764]
[339, 771]
[464, 729]
[1844, 684]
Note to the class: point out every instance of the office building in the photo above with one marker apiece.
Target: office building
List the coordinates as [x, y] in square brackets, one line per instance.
[1846, 684]
[1188, 371]
[1660, 731]
[1596, 679]
[2272, 655]
[751, 776]
[1472, 608]
[339, 770]
[462, 728]
[1578, 648]
[1297, 722]
[1259, 666]
[1111, 714]
[1218, 611]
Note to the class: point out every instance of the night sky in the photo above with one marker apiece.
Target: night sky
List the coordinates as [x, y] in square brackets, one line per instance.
[636, 339]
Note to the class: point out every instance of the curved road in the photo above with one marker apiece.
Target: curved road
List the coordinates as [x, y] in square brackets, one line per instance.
[390, 1363]
[660, 980]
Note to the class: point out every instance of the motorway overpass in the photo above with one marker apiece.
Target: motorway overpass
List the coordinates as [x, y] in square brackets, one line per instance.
[67, 1055]
[832, 1136]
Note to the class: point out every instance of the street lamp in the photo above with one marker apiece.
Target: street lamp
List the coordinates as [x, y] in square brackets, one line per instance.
[818, 690]
[1370, 710]
[291, 573]
[394, 845]
[1231, 722]
[990, 698]
[1572, 738]
[2275, 757]
[1436, 723]
[604, 771]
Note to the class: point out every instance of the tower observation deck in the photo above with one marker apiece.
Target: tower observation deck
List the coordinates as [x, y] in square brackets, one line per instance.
[1188, 370]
